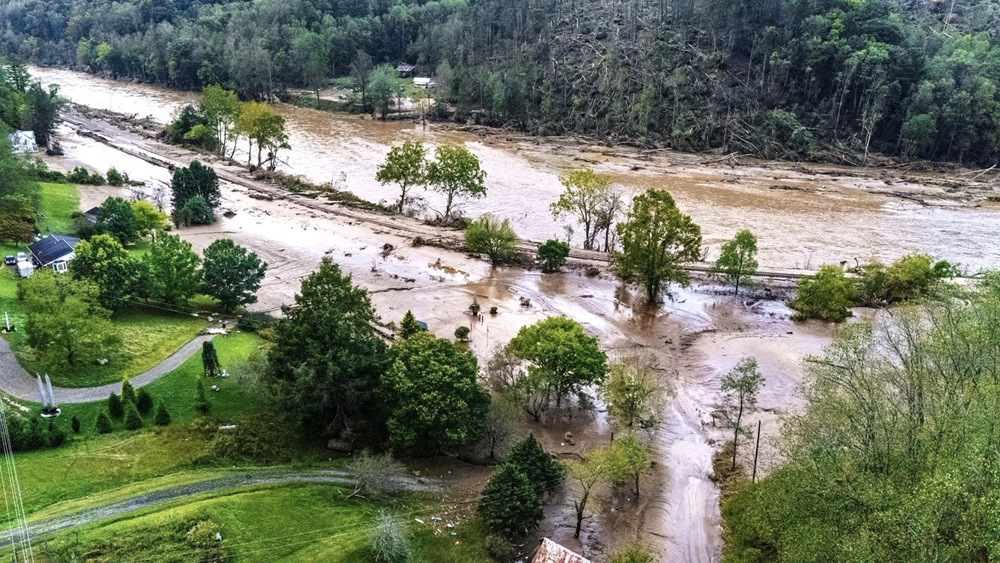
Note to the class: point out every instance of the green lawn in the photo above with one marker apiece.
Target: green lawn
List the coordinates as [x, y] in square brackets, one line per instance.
[57, 204]
[289, 523]
[90, 463]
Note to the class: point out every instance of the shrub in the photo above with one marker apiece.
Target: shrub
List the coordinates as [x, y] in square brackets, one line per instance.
[492, 237]
[196, 211]
[826, 295]
[462, 333]
[205, 547]
[132, 419]
[911, 277]
[103, 424]
[253, 322]
[75, 423]
[499, 548]
[389, 543]
[115, 178]
[162, 416]
[56, 436]
[115, 408]
[201, 403]
[262, 438]
[631, 554]
[81, 175]
[552, 255]
[144, 402]
[128, 392]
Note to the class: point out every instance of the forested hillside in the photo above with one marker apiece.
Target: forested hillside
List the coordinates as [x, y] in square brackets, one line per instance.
[830, 79]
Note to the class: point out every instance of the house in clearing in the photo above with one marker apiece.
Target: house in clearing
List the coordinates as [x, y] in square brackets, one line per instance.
[549, 551]
[405, 70]
[22, 142]
[53, 251]
[423, 82]
[91, 214]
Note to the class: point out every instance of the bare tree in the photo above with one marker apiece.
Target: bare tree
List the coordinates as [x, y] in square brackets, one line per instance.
[374, 474]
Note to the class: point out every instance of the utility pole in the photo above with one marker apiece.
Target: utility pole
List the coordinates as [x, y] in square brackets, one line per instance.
[755, 450]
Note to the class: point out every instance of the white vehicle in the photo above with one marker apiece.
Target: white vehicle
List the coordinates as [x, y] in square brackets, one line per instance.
[22, 257]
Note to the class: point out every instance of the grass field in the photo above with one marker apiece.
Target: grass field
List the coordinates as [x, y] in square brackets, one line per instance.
[89, 462]
[288, 523]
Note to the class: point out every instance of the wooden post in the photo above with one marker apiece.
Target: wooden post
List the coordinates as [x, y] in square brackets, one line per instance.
[755, 450]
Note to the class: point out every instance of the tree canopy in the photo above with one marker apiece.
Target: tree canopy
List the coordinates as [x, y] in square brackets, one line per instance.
[103, 261]
[172, 266]
[455, 172]
[232, 274]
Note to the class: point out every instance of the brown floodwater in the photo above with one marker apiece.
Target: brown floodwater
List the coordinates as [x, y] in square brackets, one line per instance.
[802, 220]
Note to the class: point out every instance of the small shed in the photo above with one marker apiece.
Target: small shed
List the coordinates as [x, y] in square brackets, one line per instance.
[423, 82]
[549, 551]
[53, 251]
[25, 268]
[405, 70]
[23, 142]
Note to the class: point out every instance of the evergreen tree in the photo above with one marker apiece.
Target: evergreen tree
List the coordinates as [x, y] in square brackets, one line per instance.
[409, 326]
[115, 407]
[162, 416]
[128, 392]
[542, 470]
[210, 359]
[132, 419]
[509, 505]
[144, 402]
[103, 423]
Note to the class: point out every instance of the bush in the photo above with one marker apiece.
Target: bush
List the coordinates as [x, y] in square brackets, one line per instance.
[115, 407]
[826, 295]
[631, 554]
[75, 424]
[196, 211]
[162, 416]
[128, 392]
[206, 548]
[499, 549]
[144, 402]
[81, 175]
[132, 419]
[911, 277]
[115, 178]
[103, 424]
[552, 255]
[462, 333]
[56, 436]
[389, 543]
[492, 237]
[201, 404]
[262, 438]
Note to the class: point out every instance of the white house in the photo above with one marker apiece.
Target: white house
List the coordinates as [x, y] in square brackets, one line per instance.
[23, 142]
[423, 82]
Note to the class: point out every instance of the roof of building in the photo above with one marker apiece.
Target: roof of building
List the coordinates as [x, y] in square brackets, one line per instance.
[92, 213]
[405, 68]
[52, 248]
[23, 141]
[550, 552]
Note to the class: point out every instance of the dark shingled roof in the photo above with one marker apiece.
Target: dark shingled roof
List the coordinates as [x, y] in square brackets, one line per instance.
[52, 248]
[91, 214]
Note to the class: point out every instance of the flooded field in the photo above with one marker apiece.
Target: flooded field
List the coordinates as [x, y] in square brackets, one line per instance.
[802, 217]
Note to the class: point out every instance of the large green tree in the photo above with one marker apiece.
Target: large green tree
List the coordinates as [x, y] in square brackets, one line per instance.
[66, 324]
[656, 241]
[455, 172]
[561, 356]
[509, 505]
[433, 398]
[173, 274]
[221, 109]
[587, 197]
[827, 295]
[491, 236]
[195, 180]
[115, 218]
[103, 261]
[232, 274]
[405, 166]
[327, 354]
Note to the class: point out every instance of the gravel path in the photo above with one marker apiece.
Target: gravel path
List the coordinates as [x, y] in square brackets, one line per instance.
[17, 383]
[229, 482]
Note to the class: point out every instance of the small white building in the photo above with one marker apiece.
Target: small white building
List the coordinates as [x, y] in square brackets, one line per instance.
[424, 82]
[23, 142]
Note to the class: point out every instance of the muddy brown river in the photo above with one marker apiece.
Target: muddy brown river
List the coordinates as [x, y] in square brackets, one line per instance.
[803, 217]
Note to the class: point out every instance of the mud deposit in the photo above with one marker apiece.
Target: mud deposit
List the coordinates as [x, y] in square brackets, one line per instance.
[696, 338]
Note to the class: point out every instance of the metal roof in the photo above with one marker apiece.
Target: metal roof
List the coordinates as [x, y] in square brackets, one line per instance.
[550, 552]
[52, 248]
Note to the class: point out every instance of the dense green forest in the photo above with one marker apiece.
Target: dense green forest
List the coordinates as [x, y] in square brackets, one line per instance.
[800, 79]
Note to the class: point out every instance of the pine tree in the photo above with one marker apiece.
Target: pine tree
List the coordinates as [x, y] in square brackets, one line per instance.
[128, 392]
[509, 505]
[115, 408]
[210, 359]
[542, 470]
[132, 419]
[201, 403]
[103, 424]
[162, 417]
[144, 402]
[409, 326]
